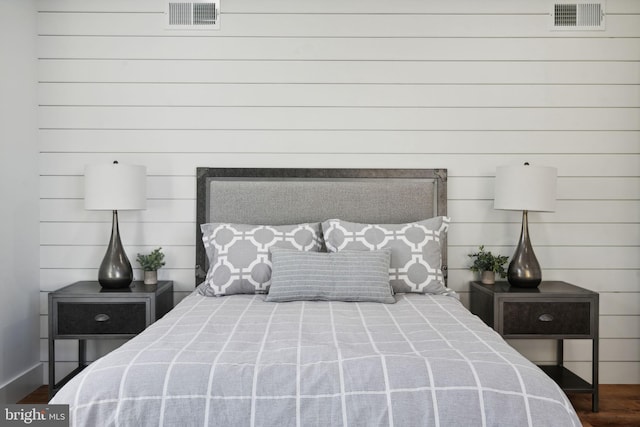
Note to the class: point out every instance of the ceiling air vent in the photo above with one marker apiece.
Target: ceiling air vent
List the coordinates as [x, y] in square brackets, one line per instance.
[580, 16]
[194, 15]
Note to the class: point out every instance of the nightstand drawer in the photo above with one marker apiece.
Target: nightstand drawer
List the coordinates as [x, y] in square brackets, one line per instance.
[76, 318]
[547, 318]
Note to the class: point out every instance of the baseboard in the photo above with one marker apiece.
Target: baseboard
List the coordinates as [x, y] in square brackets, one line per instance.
[22, 385]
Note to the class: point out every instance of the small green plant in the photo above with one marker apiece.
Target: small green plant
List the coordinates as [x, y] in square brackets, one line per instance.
[486, 261]
[152, 261]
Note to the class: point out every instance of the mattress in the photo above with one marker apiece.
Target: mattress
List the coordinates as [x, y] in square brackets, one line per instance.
[240, 361]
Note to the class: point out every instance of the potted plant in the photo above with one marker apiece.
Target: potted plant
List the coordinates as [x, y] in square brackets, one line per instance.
[150, 263]
[488, 265]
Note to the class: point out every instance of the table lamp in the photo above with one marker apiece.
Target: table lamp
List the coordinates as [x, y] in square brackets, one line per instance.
[115, 187]
[525, 188]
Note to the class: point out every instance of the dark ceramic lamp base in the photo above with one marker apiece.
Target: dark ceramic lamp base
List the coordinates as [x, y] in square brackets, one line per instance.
[115, 271]
[524, 269]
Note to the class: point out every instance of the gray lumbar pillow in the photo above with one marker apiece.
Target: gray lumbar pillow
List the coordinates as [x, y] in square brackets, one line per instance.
[344, 276]
[416, 252]
[239, 254]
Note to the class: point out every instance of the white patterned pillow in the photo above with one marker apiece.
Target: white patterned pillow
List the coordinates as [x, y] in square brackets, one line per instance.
[416, 251]
[239, 261]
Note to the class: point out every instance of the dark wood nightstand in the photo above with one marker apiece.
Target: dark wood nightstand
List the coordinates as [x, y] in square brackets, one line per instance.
[85, 310]
[554, 310]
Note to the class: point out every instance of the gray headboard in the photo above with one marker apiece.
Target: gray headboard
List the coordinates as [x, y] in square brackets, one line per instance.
[292, 196]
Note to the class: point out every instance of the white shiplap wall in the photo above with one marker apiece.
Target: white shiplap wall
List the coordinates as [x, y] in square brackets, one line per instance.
[462, 85]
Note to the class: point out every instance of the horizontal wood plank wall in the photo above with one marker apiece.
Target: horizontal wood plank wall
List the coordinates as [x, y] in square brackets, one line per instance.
[462, 85]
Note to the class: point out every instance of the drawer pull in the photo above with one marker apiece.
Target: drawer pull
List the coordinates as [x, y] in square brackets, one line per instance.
[546, 318]
[101, 318]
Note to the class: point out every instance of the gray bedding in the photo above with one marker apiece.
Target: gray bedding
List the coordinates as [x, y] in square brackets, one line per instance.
[241, 361]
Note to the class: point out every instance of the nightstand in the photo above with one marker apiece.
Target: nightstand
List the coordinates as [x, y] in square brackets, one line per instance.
[85, 310]
[554, 310]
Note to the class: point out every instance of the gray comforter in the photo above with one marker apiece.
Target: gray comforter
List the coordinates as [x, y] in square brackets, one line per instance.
[240, 361]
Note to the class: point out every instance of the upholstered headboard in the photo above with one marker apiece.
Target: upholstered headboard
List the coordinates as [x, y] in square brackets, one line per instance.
[292, 196]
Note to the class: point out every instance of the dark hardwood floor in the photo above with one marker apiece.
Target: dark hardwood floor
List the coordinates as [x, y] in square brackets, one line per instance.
[619, 405]
[39, 395]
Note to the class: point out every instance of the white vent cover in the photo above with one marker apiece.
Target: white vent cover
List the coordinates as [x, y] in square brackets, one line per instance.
[193, 15]
[578, 16]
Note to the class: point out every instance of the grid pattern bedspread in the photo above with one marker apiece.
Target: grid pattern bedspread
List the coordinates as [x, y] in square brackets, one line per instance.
[239, 360]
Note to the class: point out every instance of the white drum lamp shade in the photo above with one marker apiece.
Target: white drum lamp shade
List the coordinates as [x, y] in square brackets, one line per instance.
[115, 187]
[525, 188]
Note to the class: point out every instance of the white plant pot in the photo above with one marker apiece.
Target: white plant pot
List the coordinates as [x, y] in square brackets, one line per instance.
[488, 277]
[151, 277]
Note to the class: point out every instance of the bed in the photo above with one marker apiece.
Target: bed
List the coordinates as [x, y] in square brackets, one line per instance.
[321, 300]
